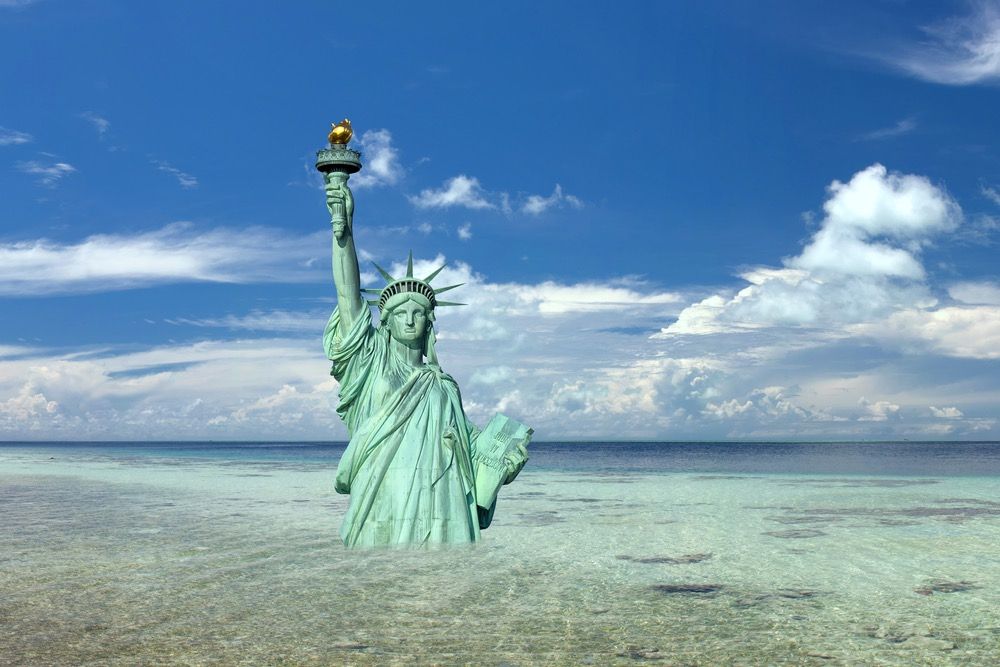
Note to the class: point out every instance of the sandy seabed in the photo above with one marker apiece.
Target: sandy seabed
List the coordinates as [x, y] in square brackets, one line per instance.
[164, 561]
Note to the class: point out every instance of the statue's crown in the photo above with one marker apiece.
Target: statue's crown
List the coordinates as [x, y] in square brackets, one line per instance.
[409, 285]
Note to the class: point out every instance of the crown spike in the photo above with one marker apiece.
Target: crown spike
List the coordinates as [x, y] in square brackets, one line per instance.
[385, 274]
[372, 290]
[409, 265]
[450, 303]
[434, 275]
[438, 290]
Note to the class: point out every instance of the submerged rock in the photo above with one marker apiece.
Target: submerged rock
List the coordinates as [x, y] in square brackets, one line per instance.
[795, 534]
[754, 599]
[668, 560]
[687, 589]
[540, 518]
[640, 653]
[928, 643]
[349, 646]
[796, 593]
[945, 587]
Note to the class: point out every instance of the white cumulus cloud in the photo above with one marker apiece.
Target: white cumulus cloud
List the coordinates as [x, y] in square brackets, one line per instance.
[976, 293]
[870, 212]
[879, 411]
[954, 331]
[463, 191]
[26, 408]
[946, 413]
[863, 262]
[537, 204]
[381, 160]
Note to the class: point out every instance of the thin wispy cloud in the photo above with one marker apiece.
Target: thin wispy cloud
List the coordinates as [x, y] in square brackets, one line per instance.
[261, 320]
[537, 204]
[47, 174]
[991, 193]
[460, 191]
[960, 51]
[16, 3]
[173, 254]
[10, 137]
[465, 231]
[101, 124]
[185, 179]
[905, 126]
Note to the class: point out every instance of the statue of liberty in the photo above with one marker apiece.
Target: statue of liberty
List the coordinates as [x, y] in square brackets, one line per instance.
[418, 472]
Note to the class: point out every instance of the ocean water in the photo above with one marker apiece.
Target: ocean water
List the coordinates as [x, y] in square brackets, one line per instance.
[603, 554]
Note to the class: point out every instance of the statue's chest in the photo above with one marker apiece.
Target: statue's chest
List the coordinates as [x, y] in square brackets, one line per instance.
[390, 379]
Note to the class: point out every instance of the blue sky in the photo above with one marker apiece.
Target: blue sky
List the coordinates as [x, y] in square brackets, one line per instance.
[675, 220]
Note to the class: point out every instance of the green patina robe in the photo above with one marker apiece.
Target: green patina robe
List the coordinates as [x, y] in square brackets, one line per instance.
[408, 466]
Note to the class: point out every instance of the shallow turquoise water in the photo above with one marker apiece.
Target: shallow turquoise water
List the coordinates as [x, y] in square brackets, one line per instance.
[174, 555]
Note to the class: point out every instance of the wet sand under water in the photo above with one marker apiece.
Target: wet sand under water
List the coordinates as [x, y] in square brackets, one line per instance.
[109, 561]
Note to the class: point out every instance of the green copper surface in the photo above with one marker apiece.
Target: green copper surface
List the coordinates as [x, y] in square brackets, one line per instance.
[419, 473]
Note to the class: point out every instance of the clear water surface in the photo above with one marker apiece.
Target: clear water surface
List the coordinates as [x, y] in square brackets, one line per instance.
[600, 553]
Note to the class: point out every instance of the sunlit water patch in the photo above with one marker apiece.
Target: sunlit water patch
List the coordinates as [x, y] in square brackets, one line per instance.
[129, 555]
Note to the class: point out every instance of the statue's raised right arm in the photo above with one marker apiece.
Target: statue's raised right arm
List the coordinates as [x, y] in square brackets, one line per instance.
[346, 275]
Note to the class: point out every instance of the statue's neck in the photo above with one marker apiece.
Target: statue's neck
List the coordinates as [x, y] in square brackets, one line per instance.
[413, 356]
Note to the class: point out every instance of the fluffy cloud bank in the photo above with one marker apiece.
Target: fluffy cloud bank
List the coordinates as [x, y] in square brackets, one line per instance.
[863, 262]
[213, 389]
[859, 286]
[848, 338]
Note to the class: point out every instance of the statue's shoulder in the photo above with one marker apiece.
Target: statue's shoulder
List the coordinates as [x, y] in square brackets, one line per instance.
[442, 376]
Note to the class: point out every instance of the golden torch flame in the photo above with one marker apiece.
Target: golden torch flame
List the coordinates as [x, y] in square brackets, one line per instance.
[341, 132]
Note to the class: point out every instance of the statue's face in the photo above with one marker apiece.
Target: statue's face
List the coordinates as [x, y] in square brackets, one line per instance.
[408, 322]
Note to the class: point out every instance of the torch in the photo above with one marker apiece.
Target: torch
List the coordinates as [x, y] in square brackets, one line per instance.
[337, 162]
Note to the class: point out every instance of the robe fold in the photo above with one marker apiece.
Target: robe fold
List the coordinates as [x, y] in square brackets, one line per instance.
[408, 465]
